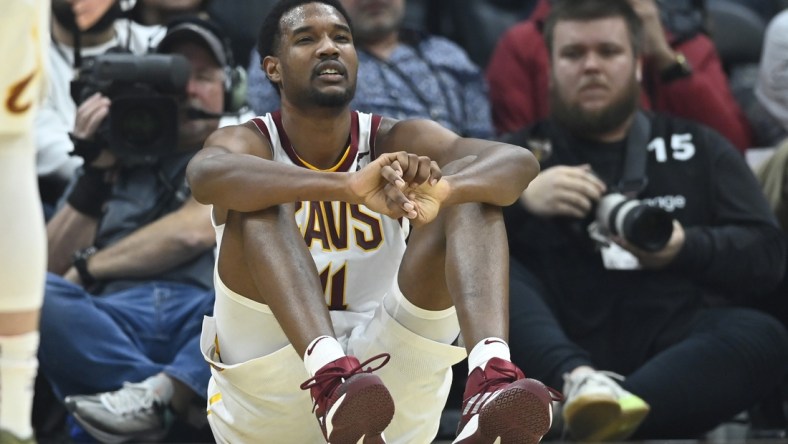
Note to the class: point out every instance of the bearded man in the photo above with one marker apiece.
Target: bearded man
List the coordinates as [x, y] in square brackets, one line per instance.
[636, 249]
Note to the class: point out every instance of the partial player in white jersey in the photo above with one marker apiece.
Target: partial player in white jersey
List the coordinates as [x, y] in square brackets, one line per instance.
[24, 36]
[312, 206]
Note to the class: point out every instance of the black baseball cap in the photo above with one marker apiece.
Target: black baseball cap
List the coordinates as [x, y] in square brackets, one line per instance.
[198, 30]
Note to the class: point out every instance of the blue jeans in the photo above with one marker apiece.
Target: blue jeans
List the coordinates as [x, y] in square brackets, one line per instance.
[92, 344]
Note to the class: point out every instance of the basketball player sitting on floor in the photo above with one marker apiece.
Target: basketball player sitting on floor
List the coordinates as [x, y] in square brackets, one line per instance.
[338, 179]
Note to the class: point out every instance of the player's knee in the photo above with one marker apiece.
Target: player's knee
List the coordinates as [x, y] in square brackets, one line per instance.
[456, 166]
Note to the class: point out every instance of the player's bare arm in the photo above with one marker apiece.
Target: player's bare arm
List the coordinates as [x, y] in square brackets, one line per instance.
[495, 173]
[235, 171]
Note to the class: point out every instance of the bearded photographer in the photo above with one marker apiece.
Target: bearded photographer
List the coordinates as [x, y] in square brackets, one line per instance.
[652, 289]
[131, 256]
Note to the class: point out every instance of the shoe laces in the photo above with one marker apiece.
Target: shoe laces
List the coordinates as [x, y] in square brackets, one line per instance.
[333, 379]
[132, 398]
[505, 375]
[599, 378]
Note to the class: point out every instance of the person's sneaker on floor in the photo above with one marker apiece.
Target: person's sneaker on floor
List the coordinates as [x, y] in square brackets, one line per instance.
[7, 437]
[500, 402]
[132, 414]
[351, 403]
[597, 408]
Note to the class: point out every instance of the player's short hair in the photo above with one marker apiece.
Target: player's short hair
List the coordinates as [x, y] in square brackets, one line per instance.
[271, 31]
[587, 10]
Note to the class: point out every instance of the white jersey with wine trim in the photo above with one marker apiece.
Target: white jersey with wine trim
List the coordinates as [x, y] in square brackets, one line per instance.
[356, 250]
[24, 47]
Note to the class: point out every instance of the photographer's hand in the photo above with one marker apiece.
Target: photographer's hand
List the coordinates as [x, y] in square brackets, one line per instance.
[563, 191]
[89, 116]
[658, 259]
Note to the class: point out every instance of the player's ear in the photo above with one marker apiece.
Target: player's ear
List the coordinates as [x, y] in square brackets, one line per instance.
[270, 65]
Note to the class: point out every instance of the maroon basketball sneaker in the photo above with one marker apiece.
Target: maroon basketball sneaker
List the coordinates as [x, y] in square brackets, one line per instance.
[499, 402]
[350, 402]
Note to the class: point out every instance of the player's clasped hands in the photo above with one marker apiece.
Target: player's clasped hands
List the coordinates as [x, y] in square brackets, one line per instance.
[401, 184]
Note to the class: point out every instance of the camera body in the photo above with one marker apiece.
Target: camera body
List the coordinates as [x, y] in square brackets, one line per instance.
[644, 226]
[145, 91]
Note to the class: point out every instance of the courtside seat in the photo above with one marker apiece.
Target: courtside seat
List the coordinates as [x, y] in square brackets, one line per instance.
[737, 32]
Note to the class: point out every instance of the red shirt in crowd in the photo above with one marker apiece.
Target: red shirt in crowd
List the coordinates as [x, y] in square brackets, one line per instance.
[518, 74]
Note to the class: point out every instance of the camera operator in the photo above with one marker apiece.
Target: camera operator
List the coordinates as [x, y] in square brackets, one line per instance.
[668, 314]
[81, 30]
[131, 257]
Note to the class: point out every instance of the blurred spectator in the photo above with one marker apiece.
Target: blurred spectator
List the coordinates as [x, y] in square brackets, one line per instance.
[769, 112]
[161, 12]
[488, 19]
[766, 9]
[240, 20]
[76, 37]
[121, 321]
[682, 77]
[773, 176]
[651, 288]
[402, 73]
[738, 33]
[769, 117]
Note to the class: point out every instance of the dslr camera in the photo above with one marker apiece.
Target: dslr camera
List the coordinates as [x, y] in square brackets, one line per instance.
[644, 226]
[145, 91]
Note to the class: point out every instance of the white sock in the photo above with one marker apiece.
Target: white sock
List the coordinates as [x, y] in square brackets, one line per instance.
[162, 385]
[439, 326]
[18, 367]
[321, 351]
[487, 349]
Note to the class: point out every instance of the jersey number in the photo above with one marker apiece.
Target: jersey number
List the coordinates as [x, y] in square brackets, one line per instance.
[681, 147]
[334, 287]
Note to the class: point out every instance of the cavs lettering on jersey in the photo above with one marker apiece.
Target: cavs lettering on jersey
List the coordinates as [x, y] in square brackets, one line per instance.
[357, 251]
[26, 33]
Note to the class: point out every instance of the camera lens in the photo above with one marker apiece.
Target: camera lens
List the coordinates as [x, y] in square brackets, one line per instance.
[140, 125]
[648, 228]
[143, 126]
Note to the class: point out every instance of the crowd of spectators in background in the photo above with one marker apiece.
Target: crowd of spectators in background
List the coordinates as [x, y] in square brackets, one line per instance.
[131, 253]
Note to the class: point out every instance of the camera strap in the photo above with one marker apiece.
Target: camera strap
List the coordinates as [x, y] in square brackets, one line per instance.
[633, 179]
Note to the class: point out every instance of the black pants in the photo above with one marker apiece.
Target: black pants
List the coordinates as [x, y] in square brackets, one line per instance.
[723, 361]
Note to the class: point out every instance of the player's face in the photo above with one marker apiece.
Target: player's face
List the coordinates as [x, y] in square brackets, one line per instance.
[375, 19]
[316, 60]
[204, 91]
[595, 75]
